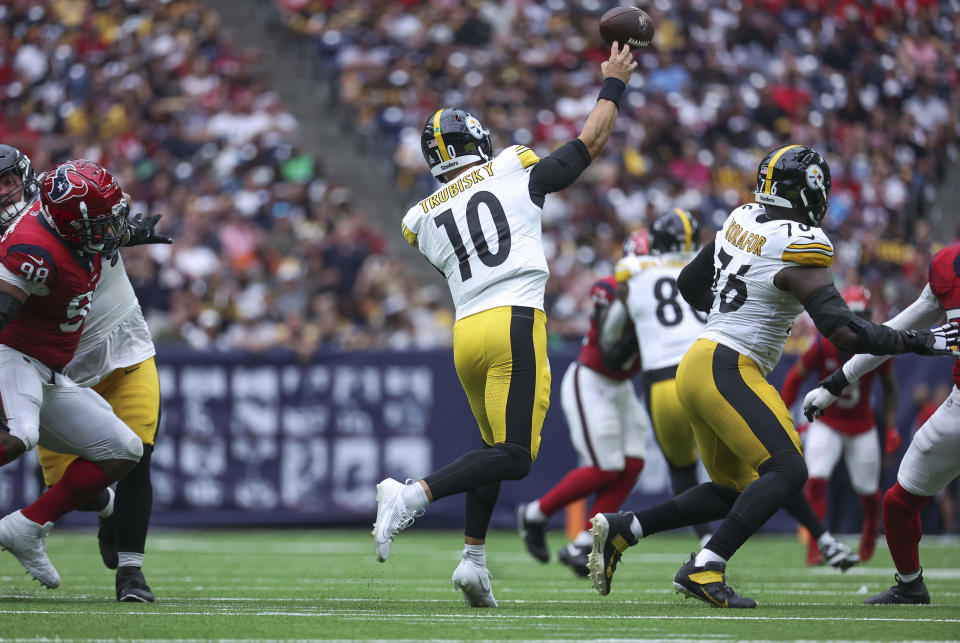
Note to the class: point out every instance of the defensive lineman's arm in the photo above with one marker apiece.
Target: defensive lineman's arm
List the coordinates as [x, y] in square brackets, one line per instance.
[11, 299]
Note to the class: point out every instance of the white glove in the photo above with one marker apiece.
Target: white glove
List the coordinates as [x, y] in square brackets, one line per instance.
[817, 401]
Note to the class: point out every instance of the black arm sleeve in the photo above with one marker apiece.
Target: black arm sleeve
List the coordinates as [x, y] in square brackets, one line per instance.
[830, 313]
[696, 279]
[9, 307]
[558, 170]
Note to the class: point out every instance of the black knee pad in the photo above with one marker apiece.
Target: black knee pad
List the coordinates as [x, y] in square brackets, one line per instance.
[519, 460]
[790, 467]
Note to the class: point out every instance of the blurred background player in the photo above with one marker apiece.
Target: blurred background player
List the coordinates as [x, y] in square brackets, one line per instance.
[768, 263]
[933, 458]
[499, 337]
[608, 427]
[666, 327]
[846, 429]
[115, 356]
[50, 263]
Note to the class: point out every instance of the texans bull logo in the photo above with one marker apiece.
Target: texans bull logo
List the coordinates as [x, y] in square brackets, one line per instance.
[67, 183]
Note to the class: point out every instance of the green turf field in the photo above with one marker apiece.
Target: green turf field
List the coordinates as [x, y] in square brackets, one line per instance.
[327, 584]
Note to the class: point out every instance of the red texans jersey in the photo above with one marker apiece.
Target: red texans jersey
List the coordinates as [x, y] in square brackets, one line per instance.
[944, 281]
[603, 293]
[60, 282]
[851, 413]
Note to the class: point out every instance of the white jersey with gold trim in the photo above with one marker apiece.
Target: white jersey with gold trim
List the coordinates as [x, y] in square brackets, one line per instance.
[666, 325]
[115, 334]
[749, 313]
[482, 231]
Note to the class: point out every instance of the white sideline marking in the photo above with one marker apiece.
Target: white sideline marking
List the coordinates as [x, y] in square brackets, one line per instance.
[933, 573]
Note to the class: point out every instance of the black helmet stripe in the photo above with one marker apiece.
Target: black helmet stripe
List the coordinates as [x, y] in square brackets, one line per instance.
[768, 184]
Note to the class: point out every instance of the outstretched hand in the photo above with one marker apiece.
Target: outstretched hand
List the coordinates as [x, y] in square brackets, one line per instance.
[620, 65]
[142, 231]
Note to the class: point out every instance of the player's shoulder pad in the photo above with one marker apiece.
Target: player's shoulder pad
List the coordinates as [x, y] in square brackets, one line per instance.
[944, 270]
[515, 157]
[626, 268]
[410, 226]
[809, 247]
[26, 258]
[604, 289]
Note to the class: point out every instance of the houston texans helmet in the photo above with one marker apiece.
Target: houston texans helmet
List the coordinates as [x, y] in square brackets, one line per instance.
[86, 205]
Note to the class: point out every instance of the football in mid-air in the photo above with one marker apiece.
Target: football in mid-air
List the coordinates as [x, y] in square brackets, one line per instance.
[627, 25]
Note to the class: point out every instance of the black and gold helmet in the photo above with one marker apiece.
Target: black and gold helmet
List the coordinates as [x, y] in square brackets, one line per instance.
[674, 231]
[795, 177]
[453, 138]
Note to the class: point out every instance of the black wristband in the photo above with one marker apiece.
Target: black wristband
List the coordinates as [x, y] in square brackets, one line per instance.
[917, 341]
[612, 89]
[836, 382]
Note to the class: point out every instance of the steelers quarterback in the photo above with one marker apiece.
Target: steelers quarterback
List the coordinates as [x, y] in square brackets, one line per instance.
[481, 229]
[768, 262]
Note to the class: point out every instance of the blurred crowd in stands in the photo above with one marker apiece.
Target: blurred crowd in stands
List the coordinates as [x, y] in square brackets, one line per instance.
[270, 252]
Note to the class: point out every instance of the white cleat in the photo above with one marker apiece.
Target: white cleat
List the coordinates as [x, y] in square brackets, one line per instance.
[392, 516]
[25, 539]
[474, 581]
[839, 556]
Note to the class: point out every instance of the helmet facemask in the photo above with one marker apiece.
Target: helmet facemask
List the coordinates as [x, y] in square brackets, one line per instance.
[18, 189]
[101, 233]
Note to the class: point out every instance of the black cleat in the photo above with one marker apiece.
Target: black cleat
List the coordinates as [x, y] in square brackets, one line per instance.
[708, 584]
[534, 535]
[912, 593]
[575, 557]
[132, 586]
[611, 537]
[107, 539]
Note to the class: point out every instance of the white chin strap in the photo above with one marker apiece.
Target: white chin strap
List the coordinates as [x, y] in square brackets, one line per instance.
[455, 163]
[772, 199]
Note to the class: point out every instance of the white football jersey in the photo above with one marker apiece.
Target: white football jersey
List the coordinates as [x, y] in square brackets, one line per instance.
[666, 324]
[115, 334]
[482, 231]
[749, 313]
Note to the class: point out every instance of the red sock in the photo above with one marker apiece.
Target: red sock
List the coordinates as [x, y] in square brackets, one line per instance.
[577, 484]
[80, 483]
[901, 520]
[816, 492]
[871, 524]
[610, 497]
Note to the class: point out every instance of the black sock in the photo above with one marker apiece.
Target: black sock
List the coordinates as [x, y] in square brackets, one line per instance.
[132, 506]
[480, 504]
[707, 501]
[799, 508]
[682, 479]
[98, 502]
[781, 477]
[502, 461]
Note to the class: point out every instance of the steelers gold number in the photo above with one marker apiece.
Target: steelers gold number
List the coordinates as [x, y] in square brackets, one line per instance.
[446, 221]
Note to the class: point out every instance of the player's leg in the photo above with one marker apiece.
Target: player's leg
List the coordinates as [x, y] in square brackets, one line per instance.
[595, 435]
[134, 394]
[862, 456]
[674, 433]
[932, 460]
[822, 449]
[21, 396]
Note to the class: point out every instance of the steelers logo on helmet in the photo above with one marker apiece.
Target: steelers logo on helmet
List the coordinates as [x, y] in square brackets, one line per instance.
[815, 177]
[453, 138]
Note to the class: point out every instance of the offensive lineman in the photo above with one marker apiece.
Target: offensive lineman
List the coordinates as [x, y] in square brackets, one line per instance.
[847, 429]
[482, 231]
[115, 357]
[50, 263]
[933, 458]
[608, 427]
[769, 262]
